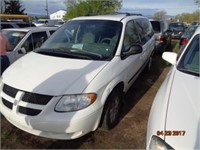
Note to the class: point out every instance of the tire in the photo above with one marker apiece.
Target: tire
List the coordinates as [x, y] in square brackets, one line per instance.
[149, 64]
[112, 110]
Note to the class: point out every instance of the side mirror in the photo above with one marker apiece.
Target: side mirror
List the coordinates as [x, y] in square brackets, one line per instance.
[22, 51]
[170, 57]
[135, 49]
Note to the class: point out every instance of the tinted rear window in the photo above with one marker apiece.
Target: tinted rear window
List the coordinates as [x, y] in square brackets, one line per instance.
[21, 25]
[4, 26]
[156, 26]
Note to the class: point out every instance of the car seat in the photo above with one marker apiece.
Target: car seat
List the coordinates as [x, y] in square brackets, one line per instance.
[88, 38]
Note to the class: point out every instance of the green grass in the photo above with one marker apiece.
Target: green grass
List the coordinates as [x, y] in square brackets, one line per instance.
[175, 46]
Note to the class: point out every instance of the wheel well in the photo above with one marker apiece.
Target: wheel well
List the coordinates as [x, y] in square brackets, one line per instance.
[119, 86]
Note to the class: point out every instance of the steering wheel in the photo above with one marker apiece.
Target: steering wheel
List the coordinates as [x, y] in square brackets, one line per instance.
[106, 40]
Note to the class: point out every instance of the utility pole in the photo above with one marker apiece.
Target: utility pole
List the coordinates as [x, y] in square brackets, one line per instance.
[47, 9]
[2, 5]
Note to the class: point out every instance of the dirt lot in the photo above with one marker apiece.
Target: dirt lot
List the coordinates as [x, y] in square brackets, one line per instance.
[130, 133]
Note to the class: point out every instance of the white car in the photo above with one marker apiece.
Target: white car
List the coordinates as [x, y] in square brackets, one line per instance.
[75, 81]
[24, 40]
[174, 120]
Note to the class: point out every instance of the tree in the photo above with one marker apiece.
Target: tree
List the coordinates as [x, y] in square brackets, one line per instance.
[160, 15]
[77, 8]
[13, 7]
[187, 17]
[197, 2]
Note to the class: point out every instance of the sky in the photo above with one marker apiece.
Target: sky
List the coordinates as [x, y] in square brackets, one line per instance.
[146, 7]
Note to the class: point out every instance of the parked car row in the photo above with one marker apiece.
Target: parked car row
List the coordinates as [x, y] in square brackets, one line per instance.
[162, 34]
[76, 80]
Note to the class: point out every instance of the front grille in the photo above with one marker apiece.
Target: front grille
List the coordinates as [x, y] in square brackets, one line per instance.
[10, 90]
[36, 98]
[7, 103]
[29, 111]
[27, 97]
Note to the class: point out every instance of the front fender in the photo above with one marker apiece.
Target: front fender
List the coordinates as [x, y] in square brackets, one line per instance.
[158, 113]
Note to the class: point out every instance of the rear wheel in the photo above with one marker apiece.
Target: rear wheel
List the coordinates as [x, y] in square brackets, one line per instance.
[112, 110]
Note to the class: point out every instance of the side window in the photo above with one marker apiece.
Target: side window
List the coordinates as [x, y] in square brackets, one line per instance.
[34, 41]
[145, 29]
[4, 26]
[131, 36]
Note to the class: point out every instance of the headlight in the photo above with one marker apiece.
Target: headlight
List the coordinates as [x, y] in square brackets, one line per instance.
[159, 144]
[75, 102]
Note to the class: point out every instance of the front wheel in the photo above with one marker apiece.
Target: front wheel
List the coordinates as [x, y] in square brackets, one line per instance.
[112, 110]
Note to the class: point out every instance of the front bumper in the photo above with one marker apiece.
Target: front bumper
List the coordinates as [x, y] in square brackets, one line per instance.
[48, 123]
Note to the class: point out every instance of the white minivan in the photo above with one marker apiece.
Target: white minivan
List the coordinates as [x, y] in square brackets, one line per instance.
[76, 80]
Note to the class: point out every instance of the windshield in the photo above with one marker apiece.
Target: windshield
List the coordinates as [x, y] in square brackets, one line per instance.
[189, 62]
[84, 39]
[14, 37]
[177, 25]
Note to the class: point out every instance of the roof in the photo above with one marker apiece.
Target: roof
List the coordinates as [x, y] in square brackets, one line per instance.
[115, 17]
[31, 29]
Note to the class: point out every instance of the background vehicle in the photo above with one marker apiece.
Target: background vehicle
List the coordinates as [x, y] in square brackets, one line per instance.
[14, 21]
[187, 34]
[59, 23]
[11, 24]
[174, 117]
[46, 22]
[65, 86]
[177, 28]
[195, 23]
[162, 34]
[24, 40]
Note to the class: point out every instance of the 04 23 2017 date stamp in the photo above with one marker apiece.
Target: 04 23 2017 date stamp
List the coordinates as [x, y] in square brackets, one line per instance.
[171, 133]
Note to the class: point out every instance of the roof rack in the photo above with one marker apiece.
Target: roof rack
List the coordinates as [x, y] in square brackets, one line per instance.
[129, 14]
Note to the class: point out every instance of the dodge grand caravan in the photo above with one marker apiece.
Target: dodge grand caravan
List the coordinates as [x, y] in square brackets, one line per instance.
[74, 83]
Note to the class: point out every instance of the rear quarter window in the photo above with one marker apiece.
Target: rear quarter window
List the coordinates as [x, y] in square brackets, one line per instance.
[156, 26]
[145, 29]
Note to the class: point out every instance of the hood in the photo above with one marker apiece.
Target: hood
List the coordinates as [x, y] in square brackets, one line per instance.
[183, 116]
[50, 75]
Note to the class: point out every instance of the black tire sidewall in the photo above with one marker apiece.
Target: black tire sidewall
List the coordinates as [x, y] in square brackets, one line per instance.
[107, 124]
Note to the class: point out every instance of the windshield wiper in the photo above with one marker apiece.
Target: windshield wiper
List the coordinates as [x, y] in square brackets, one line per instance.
[61, 52]
[188, 71]
[87, 53]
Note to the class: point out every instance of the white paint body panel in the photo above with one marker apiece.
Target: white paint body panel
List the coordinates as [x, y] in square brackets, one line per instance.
[176, 107]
